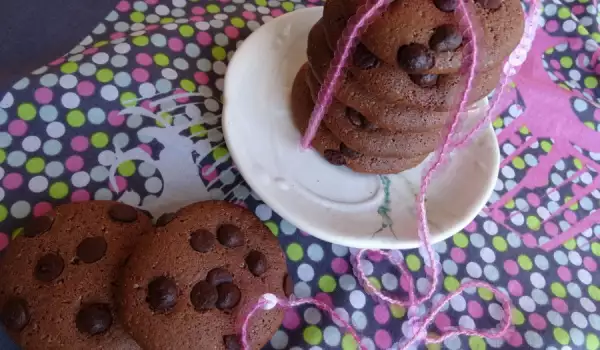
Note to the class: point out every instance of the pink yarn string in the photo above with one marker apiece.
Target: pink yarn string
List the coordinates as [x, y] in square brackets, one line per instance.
[346, 45]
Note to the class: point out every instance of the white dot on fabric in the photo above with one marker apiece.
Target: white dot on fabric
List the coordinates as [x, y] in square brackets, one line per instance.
[458, 303]
[306, 272]
[315, 252]
[70, 100]
[526, 303]
[474, 270]
[357, 299]
[302, 290]
[55, 129]
[153, 185]
[100, 58]
[359, 320]
[389, 281]
[312, 315]
[38, 184]
[109, 92]
[279, 340]
[534, 339]
[31, 143]
[347, 282]
[80, 179]
[332, 336]
[20, 209]
[68, 81]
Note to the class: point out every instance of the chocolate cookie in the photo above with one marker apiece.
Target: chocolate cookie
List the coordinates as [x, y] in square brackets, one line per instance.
[57, 278]
[395, 85]
[187, 286]
[332, 149]
[410, 22]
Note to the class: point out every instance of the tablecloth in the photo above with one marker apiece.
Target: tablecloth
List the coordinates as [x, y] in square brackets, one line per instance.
[85, 127]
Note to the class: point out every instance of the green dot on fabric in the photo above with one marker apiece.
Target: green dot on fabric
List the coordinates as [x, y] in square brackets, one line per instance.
[75, 118]
[510, 204]
[578, 163]
[312, 335]
[592, 342]
[348, 342]
[524, 130]
[533, 223]
[3, 212]
[198, 130]
[294, 252]
[375, 282]
[168, 119]
[570, 244]
[188, 85]
[327, 283]
[219, 153]
[128, 99]
[141, 40]
[273, 227]
[219, 53]
[518, 162]
[26, 111]
[477, 343]
[590, 125]
[460, 240]
[288, 6]
[498, 123]
[517, 317]
[16, 232]
[413, 262]
[566, 61]
[558, 289]
[2, 156]
[212, 8]
[137, 17]
[596, 248]
[167, 20]
[35, 165]
[485, 294]
[546, 146]
[525, 262]
[126, 168]
[59, 190]
[564, 13]
[237, 22]
[68, 67]
[594, 292]
[397, 311]
[161, 59]
[104, 75]
[499, 243]
[451, 284]
[101, 43]
[261, 2]
[561, 336]
[590, 82]
[99, 140]
[186, 31]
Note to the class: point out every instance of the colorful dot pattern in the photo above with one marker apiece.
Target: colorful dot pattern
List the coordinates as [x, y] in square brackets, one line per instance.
[63, 132]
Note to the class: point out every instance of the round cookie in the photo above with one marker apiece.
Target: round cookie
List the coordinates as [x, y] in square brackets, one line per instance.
[334, 151]
[415, 22]
[188, 286]
[58, 277]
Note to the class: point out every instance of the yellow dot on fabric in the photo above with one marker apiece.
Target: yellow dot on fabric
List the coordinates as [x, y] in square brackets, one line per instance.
[312, 335]
[524, 130]
[570, 244]
[558, 289]
[499, 243]
[128, 99]
[3, 212]
[582, 30]
[413, 262]
[26, 111]
[288, 6]
[261, 2]
[498, 123]
[104, 75]
[549, 51]
[374, 282]
[198, 130]
[327, 283]
[564, 13]
[594, 292]
[219, 53]
[294, 252]
[533, 223]
[101, 43]
[590, 82]
[348, 342]
[518, 162]
[186, 30]
[237, 22]
[35, 165]
[477, 343]
[219, 153]
[397, 311]
[167, 20]
[59, 190]
[161, 59]
[525, 262]
[561, 336]
[546, 146]
[2, 156]
[212, 8]
[68, 67]
[188, 85]
[141, 40]
[485, 294]
[99, 140]
[566, 61]
[596, 248]
[590, 125]
[75, 118]
[137, 17]
[451, 284]
[126, 168]
[592, 342]
[510, 204]
[596, 37]
[578, 163]
[166, 117]
[461, 240]
[273, 227]
[517, 317]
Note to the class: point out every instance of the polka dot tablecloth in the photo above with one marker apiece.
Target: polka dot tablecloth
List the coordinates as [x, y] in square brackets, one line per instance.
[133, 114]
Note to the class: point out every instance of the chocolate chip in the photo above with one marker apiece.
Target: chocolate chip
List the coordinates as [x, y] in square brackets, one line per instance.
[257, 263]
[445, 38]
[218, 276]
[446, 5]
[164, 219]
[38, 225]
[94, 319]
[348, 152]
[490, 4]
[415, 58]
[91, 249]
[14, 314]
[288, 285]
[363, 58]
[202, 240]
[334, 157]
[424, 80]
[203, 296]
[162, 294]
[49, 267]
[358, 119]
[231, 342]
[230, 236]
[229, 296]
[122, 212]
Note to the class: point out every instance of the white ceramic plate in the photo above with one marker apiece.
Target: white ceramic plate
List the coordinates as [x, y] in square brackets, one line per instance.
[333, 203]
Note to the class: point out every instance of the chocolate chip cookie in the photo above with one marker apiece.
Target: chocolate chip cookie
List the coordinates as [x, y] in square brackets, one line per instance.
[188, 286]
[58, 277]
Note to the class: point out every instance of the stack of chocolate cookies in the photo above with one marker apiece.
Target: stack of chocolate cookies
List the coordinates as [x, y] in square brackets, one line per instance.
[402, 80]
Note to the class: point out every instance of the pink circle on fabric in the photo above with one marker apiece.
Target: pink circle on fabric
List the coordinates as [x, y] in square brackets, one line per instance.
[304, 234]
[533, 199]
[249, 15]
[471, 227]
[42, 208]
[74, 163]
[590, 264]
[474, 308]
[564, 273]
[555, 64]
[123, 6]
[197, 19]
[12, 181]
[184, 98]
[560, 305]
[578, 9]
[115, 119]
[140, 75]
[80, 143]
[209, 173]
[513, 338]
[570, 216]
[597, 111]
[515, 288]
[537, 321]
[151, 2]
[442, 321]
[152, 27]
[117, 35]
[339, 266]
[201, 78]
[90, 51]
[80, 195]
[383, 339]
[291, 319]
[57, 61]
[529, 240]
[552, 26]
[232, 32]
[146, 148]
[374, 255]
[276, 12]
[405, 282]
[197, 10]
[560, 76]
[176, 44]
[43, 95]
[511, 267]
[551, 228]
[458, 255]
[576, 44]
[121, 184]
[203, 38]
[86, 88]
[17, 127]
[3, 241]
[381, 313]
[324, 298]
[144, 59]
[147, 104]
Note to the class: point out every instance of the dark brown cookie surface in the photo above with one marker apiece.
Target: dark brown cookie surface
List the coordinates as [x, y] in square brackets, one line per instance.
[203, 291]
[58, 277]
